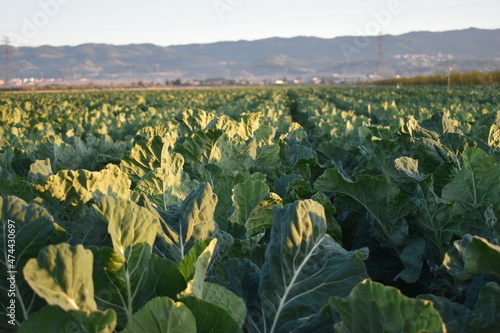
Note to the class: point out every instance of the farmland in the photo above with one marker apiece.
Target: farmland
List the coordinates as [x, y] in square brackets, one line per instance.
[251, 210]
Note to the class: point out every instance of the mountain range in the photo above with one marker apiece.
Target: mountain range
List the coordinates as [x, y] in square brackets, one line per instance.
[409, 54]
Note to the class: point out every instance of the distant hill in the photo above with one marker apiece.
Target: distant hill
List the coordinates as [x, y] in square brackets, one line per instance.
[300, 57]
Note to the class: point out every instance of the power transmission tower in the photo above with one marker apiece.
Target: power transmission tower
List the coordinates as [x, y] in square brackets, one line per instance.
[6, 61]
[380, 56]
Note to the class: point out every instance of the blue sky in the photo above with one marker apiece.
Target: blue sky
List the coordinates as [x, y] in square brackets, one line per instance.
[169, 22]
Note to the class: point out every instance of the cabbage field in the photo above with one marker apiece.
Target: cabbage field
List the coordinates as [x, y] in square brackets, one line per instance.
[251, 210]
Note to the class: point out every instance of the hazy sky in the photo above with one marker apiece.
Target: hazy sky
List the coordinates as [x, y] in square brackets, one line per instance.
[168, 22]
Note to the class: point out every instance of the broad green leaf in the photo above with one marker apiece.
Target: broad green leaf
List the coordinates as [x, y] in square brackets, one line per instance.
[442, 123]
[494, 136]
[149, 154]
[162, 315]
[477, 183]
[19, 187]
[388, 207]
[250, 248]
[209, 317]
[299, 189]
[225, 299]
[195, 223]
[303, 267]
[88, 230]
[373, 307]
[53, 319]
[221, 297]
[267, 157]
[128, 223]
[165, 186]
[197, 260]
[249, 124]
[195, 120]
[436, 219]
[472, 255]
[62, 275]
[433, 158]
[164, 279]
[62, 155]
[75, 188]
[281, 184]
[409, 166]
[201, 147]
[253, 204]
[241, 276]
[150, 132]
[32, 228]
[40, 170]
[228, 125]
[454, 315]
[486, 317]
[194, 267]
[200, 295]
[415, 131]
[120, 279]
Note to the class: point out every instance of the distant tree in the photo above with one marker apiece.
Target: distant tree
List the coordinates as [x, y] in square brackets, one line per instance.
[177, 82]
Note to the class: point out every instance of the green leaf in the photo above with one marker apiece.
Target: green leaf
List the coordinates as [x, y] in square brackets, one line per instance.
[195, 223]
[494, 136]
[409, 166]
[128, 223]
[200, 295]
[441, 122]
[201, 147]
[162, 131]
[162, 315]
[433, 158]
[53, 319]
[149, 154]
[268, 157]
[388, 207]
[253, 205]
[486, 317]
[40, 170]
[75, 188]
[62, 155]
[32, 228]
[221, 297]
[228, 126]
[477, 183]
[249, 124]
[120, 279]
[209, 317]
[62, 275]
[164, 279]
[197, 260]
[303, 267]
[373, 307]
[454, 315]
[282, 183]
[165, 186]
[18, 186]
[195, 120]
[436, 219]
[472, 255]
[250, 248]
